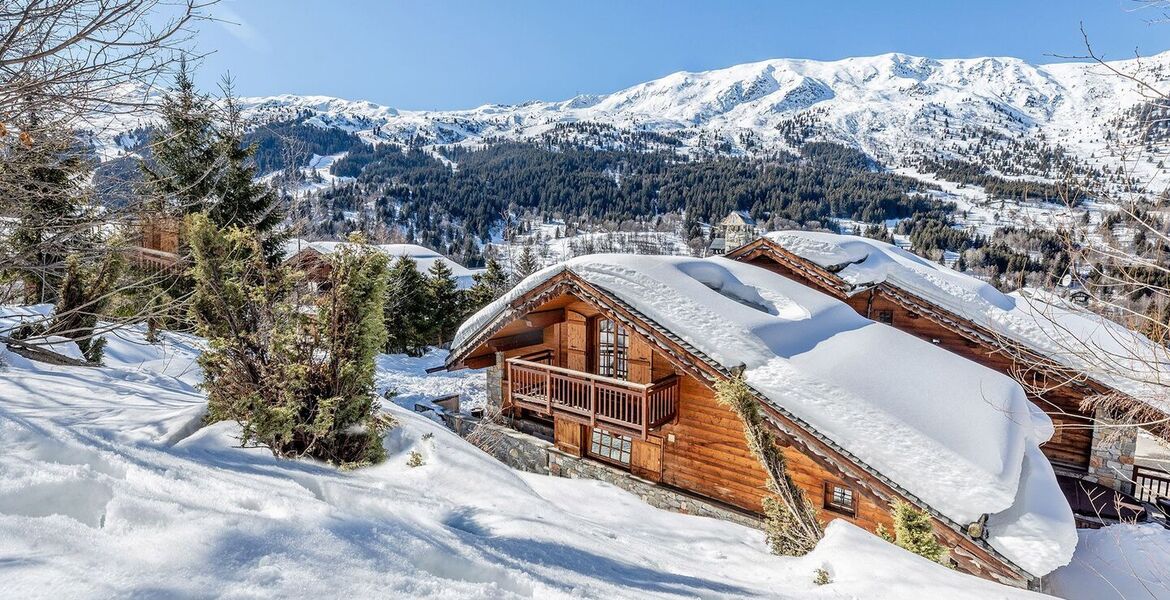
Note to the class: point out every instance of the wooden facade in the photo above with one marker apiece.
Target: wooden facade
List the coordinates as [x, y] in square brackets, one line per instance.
[1055, 390]
[159, 243]
[558, 332]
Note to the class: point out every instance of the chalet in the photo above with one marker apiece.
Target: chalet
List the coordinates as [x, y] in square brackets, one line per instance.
[735, 230]
[309, 257]
[158, 237]
[1051, 346]
[614, 359]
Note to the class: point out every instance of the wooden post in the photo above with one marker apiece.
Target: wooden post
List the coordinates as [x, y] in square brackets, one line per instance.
[592, 405]
[548, 389]
[645, 408]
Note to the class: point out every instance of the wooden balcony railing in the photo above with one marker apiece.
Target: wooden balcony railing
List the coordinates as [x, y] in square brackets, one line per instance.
[1150, 484]
[155, 261]
[606, 402]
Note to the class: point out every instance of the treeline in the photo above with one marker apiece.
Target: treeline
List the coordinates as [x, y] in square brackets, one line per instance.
[999, 187]
[419, 193]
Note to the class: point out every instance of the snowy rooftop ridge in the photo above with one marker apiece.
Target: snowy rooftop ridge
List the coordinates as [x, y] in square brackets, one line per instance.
[960, 437]
[423, 257]
[1070, 335]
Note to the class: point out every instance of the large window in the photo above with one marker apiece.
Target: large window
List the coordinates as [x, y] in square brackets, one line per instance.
[611, 446]
[613, 349]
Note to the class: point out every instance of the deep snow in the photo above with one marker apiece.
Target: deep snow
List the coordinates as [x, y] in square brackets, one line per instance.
[108, 489]
[1034, 319]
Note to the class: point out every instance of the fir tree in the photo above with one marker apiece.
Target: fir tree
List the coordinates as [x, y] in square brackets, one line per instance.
[85, 292]
[489, 285]
[295, 398]
[914, 532]
[526, 265]
[239, 199]
[339, 417]
[52, 175]
[182, 175]
[406, 308]
[445, 303]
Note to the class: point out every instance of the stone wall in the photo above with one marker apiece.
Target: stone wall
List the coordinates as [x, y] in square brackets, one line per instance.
[1112, 456]
[529, 453]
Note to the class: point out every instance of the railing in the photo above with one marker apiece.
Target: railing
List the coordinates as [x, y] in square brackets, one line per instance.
[1150, 484]
[155, 261]
[607, 402]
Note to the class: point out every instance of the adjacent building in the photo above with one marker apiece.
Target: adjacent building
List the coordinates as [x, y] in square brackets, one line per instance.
[1060, 352]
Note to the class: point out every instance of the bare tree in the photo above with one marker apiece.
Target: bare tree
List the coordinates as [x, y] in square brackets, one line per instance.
[71, 70]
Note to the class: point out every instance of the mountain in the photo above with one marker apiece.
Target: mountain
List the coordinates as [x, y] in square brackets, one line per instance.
[1013, 116]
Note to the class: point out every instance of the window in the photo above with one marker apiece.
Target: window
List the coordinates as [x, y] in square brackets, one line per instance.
[886, 316]
[840, 498]
[610, 446]
[613, 349]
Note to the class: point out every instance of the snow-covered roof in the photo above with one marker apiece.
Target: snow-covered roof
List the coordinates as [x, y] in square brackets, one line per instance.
[1065, 333]
[423, 257]
[960, 437]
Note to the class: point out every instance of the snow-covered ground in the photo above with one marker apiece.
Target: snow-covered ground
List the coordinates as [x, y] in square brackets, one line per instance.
[1122, 562]
[109, 489]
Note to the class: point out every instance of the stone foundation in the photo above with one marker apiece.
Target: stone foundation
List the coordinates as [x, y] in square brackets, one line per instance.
[529, 453]
[1111, 459]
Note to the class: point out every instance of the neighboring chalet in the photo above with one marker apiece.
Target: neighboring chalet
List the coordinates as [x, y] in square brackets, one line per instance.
[1053, 347]
[614, 358]
[158, 247]
[735, 230]
[310, 258]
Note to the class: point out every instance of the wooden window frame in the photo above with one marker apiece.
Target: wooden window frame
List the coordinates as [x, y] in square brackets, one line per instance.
[885, 316]
[620, 349]
[613, 436]
[830, 503]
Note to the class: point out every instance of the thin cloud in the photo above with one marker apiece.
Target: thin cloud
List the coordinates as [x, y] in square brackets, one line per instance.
[239, 27]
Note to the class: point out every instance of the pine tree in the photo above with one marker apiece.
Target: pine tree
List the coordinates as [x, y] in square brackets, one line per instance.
[489, 285]
[445, 303]
[914, 532]
[85, 292]
[183, 173]
[239, 199]
[340, 416]
[296, 398]
[526, 265]
[406, 309]
[48, 176]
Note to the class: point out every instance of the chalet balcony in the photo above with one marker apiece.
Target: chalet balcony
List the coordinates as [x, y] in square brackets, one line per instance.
[598, 401]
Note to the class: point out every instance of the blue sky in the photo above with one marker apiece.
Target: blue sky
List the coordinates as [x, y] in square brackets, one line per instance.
[439, 54]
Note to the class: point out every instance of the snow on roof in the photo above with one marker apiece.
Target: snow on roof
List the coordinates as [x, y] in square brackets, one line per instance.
[1040, 321]
[423, 257]
[960, 437]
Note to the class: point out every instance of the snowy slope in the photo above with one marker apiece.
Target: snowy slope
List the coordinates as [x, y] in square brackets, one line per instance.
[107, 490]
[892, 106]
[872, 389]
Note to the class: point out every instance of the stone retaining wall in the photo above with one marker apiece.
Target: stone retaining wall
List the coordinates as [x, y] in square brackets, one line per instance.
[529, 453]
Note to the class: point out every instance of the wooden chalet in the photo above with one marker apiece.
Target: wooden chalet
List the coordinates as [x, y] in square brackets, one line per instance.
[159, 239]
[843, 267]
[583, 363]
[311, 258]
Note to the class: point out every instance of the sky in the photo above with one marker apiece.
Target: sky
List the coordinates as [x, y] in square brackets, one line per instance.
[451, 54]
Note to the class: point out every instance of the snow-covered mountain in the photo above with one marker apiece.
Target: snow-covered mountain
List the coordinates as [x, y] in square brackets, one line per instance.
[894, 107]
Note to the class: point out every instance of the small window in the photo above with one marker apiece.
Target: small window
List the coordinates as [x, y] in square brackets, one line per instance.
[611, 446]
[886, 316]
[840, 498]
